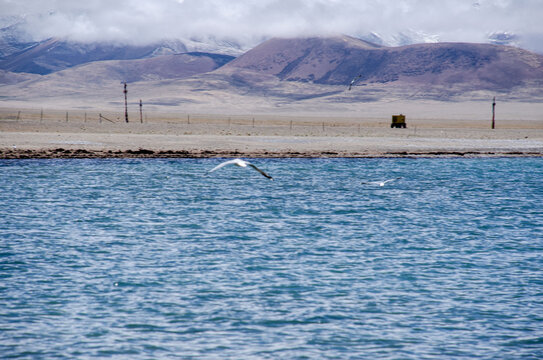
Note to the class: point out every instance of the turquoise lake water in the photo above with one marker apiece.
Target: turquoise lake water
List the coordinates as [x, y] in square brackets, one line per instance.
[152, 259]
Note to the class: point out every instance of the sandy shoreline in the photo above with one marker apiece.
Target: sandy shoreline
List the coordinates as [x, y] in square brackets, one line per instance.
[275, 137]
[72, 145]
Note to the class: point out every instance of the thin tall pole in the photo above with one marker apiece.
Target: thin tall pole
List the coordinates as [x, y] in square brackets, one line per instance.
[493, 112]
[125, 103]
[141, 111]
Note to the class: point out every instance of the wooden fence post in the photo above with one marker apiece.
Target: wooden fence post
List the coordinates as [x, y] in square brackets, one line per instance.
[493, 112]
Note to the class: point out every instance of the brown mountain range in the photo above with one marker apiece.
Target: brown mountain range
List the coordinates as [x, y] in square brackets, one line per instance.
[294, 71]
[338, 60]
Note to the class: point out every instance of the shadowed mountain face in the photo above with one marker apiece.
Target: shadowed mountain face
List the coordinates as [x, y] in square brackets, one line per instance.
[336, 61]
[306, 60]
[55, 55]
[13, 40]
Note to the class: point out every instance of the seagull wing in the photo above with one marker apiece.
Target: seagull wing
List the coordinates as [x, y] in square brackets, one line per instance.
[353, 80]
[222, 165]
[389, 180]
[260, 171]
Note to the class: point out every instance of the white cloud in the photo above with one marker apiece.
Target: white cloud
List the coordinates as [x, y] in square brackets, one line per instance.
[249, 21]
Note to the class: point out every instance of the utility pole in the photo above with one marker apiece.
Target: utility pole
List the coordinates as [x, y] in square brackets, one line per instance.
[141, 112]
[125, 103]
[493, 111]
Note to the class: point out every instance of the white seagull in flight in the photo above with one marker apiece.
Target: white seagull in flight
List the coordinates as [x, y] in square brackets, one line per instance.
[354, 80]
[380, 183]
[240, 163]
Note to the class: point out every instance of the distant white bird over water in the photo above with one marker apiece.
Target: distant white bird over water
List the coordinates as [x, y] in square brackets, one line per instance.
[240, 163]
[380, 183]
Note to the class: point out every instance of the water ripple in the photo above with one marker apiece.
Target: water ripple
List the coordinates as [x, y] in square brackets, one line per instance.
[138, 259]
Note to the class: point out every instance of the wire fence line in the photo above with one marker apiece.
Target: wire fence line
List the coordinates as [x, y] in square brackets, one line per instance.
[282, 124]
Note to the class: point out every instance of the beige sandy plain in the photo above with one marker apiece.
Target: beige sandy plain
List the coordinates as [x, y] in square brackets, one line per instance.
[434, 129]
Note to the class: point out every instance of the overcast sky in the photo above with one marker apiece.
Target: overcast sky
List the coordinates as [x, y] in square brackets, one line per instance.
[250, 21]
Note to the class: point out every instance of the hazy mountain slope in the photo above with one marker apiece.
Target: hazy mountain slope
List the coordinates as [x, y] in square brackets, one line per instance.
[157, 68]
[7, 77]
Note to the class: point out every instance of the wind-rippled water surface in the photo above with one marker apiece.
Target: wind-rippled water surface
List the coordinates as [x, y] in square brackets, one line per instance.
[145, 259]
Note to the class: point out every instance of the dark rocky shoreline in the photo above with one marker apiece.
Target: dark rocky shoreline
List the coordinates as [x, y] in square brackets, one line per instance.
[62, 153]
